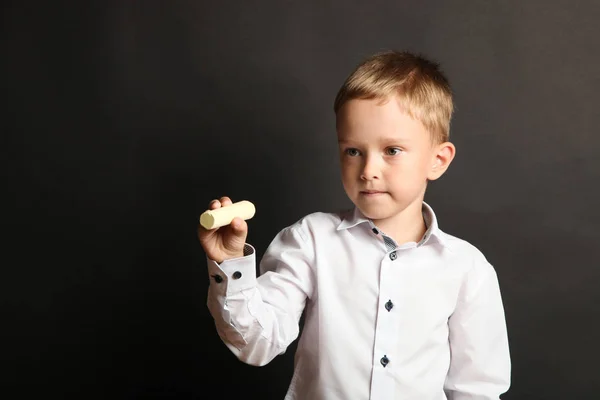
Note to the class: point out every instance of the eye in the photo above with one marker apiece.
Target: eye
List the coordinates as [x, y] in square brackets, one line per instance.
[352, 152]
[393, 151]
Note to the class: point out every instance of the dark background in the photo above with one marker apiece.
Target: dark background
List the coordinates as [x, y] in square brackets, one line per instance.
[121, 121]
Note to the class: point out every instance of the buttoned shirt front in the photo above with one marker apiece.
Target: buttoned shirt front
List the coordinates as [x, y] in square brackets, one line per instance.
[421, 321]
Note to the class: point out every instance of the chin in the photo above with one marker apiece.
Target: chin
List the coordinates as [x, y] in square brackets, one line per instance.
[375, 216]
[372, 212]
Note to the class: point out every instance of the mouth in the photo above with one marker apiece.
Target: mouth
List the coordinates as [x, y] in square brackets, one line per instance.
[371, 192]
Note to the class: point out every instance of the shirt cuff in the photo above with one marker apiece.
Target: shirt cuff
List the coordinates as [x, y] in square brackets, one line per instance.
[235, 274]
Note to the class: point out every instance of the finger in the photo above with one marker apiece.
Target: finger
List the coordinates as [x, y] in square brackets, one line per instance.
[239, 227]
[236, 223]
[214, 204]
[205, 235]
[225, 201]
[202, 233]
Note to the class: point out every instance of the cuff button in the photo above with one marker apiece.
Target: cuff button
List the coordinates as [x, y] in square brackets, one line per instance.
[237, 275]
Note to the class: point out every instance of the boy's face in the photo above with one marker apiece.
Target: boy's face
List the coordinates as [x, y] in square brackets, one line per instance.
[386, 157]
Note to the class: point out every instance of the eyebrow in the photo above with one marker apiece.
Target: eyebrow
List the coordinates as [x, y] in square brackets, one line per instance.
[383, 140]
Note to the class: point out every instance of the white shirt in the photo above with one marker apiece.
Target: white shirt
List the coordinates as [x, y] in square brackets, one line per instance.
[420, 321]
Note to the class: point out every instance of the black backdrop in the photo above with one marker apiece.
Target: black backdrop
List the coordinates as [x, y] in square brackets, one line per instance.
[122, 121]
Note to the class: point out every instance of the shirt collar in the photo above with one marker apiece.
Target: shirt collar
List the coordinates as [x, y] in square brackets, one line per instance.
[356, 217]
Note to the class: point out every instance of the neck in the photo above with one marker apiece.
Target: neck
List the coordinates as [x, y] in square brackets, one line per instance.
[407, 226]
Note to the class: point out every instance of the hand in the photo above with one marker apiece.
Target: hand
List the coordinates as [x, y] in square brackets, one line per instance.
[227, 241]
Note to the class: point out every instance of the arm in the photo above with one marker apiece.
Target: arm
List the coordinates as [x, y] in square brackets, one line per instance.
[480, 363]
[257, 318]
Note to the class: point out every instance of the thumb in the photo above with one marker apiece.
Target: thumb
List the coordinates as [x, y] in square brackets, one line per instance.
[239, 229]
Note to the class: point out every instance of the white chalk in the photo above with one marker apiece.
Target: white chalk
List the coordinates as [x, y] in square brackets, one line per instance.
[212, 219]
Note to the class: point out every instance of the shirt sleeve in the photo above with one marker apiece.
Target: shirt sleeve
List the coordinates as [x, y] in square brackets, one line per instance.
[480, 364]
[258, 317]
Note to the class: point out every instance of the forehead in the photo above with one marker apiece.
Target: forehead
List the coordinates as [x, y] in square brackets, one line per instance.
[375, 119]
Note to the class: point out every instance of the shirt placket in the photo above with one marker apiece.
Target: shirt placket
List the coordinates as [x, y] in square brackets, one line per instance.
[382, 381]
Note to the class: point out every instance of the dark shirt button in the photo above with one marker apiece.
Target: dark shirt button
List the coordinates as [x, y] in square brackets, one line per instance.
[393, 255]
[384, 361]
[218, 278]
[375, 231]
[389, 305]
[237, 275]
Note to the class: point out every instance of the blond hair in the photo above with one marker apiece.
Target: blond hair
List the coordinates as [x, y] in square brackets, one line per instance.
[421, 88]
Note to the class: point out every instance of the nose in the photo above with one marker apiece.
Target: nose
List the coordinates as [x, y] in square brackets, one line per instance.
[370, 169]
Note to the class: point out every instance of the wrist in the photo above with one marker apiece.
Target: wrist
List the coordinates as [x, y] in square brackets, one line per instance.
[230, 257]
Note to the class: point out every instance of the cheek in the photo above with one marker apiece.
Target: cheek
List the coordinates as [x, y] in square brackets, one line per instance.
[412, 166]
[348, 177]
[403, 175]
[348, 167]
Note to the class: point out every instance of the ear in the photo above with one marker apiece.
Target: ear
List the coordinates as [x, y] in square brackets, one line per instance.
[442, 156]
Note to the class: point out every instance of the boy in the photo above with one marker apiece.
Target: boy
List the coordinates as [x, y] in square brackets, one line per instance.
[395, 308]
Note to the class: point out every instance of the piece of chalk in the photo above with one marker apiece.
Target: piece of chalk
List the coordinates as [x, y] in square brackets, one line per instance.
[213, 219]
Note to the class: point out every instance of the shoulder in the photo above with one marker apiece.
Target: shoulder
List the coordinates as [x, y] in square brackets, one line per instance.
[306, 232]
[322, 219]
[478, 276]
[319, 222]
[469, 256]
